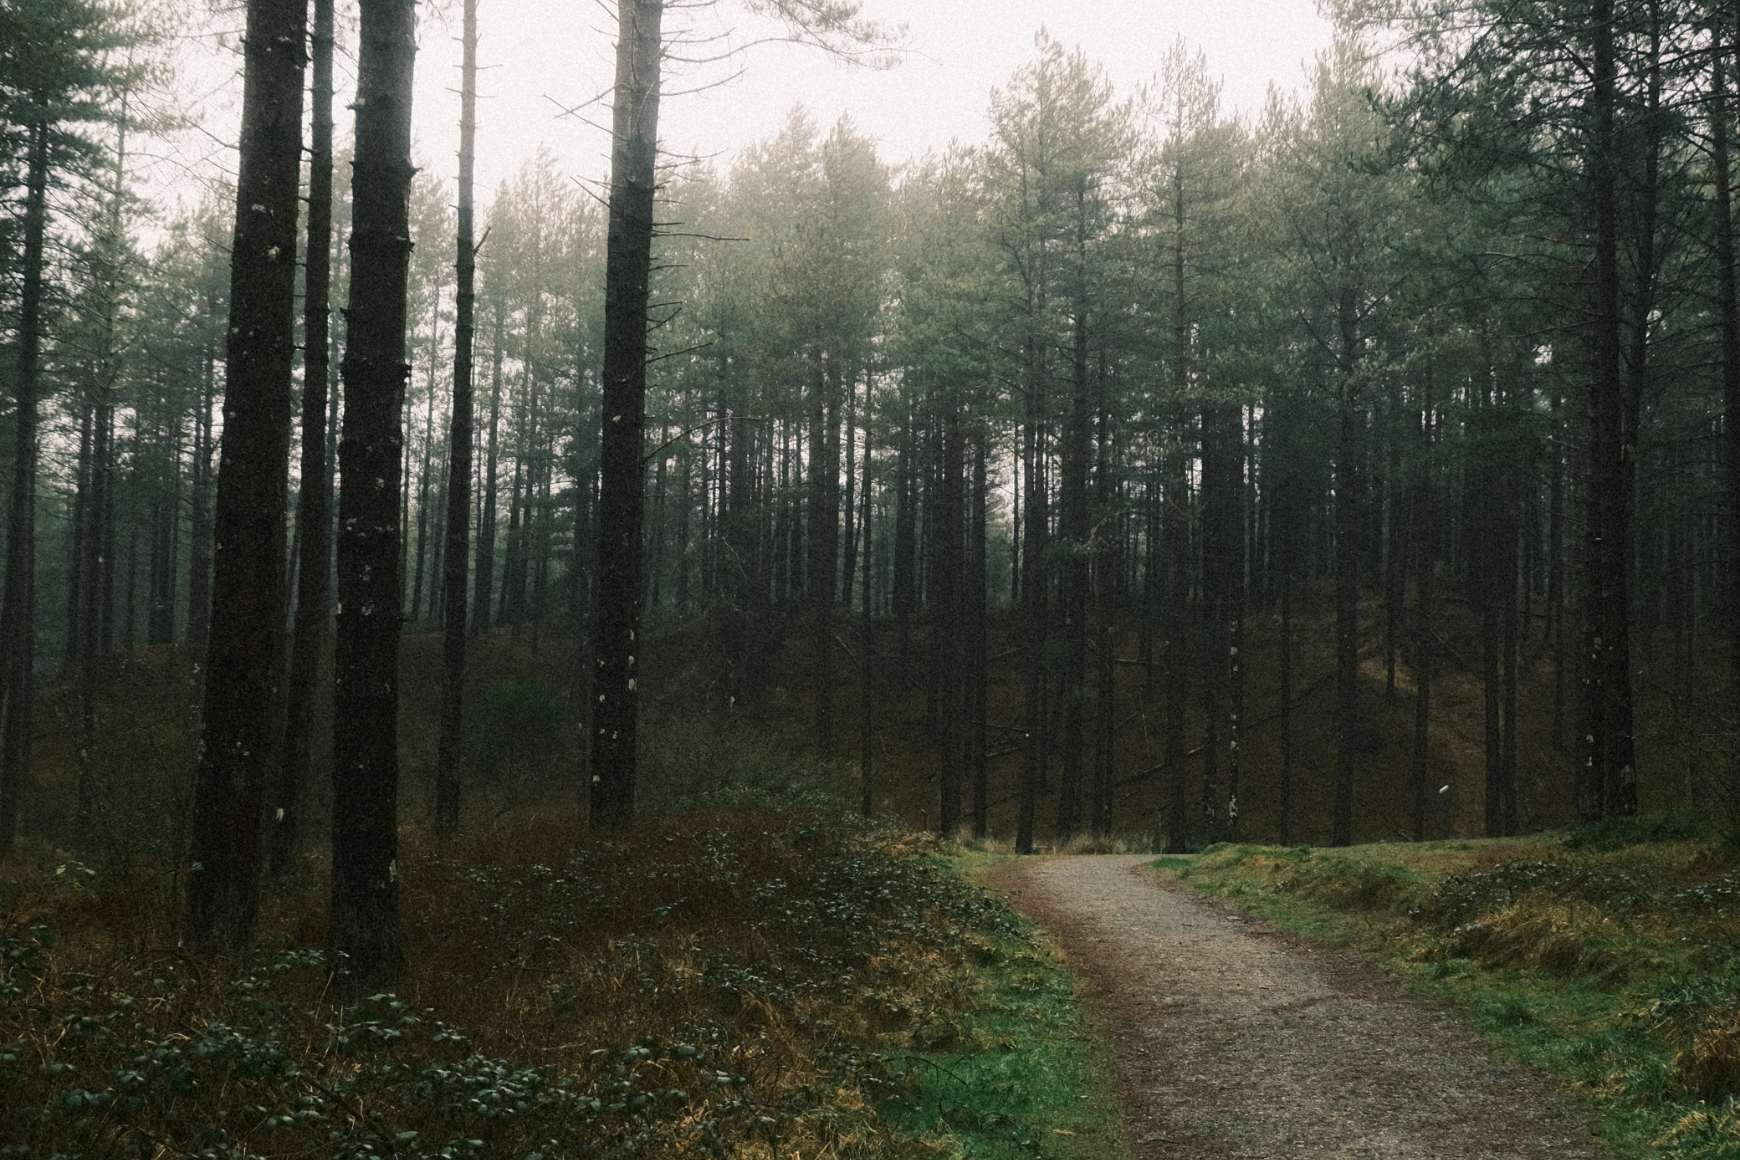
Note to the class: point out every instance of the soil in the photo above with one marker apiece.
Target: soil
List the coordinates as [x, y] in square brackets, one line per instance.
[1235, 1039]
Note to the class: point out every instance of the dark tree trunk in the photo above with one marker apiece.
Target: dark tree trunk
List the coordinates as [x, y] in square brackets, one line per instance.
[423, 478]
[1425, 544]
[1607, 781]
[457, 550]
[849, 542]
[78, 577]
[364, 932]
[313, 519]
[199, 530]
[866, 685]
[616, 700]
[976, 664]
[1348, 546]
[824, 533]
[951, 639]
[17, 690]
[1076, 583]
[1105, 596]
[1033, 599]
[485, 572]
[90, 613]
[1728, 318]
[244, 659]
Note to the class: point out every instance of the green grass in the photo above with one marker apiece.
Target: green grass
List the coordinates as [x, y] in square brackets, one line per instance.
[1605, 956]
[1028, 1072]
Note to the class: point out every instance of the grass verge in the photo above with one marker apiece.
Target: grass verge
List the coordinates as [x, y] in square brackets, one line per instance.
[1606, 956]
[1029, 1072]
[750, 977]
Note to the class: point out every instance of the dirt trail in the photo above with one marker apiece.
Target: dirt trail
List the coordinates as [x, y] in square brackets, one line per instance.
[1234, 1039]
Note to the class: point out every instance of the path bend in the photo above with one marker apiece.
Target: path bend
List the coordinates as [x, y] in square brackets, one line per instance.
[1234, 1039]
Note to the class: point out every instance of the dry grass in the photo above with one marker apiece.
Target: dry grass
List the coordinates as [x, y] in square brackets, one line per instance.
[734, 979]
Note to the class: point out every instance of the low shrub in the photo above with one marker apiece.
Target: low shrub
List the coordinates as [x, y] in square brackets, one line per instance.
[1617, 833]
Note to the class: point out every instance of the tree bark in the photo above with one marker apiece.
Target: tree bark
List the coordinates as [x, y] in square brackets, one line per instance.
[364, 932]
[628, 263]
[1607, 781]
[1728, 318]
[1348, 543]
[244, 658]
[951, 637]
[458, 545]
[313, 518]
[484, 579]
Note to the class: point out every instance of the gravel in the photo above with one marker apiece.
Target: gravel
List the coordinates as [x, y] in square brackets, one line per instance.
[1234, 1039]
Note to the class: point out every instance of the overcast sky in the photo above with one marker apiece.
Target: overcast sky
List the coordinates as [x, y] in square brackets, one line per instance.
[537, 53]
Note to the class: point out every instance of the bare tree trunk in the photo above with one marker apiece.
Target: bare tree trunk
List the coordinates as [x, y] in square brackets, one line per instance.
[244, 662]
[976, 665]
[1607, 782]
[1105, 598]
[1348, 488]
[17, 689]
[616, 699]
[1033, 599]
[1728, 317]
[824, 526]
[199, 530]
[423, 473]
[457, 551]
[866, 679]
[951, 639]
[1425, 544]
[313, 518]
[364, 933]
[485, 573]
[1076, 583]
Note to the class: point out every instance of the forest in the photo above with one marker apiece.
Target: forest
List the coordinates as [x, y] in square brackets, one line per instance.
[1361, 469]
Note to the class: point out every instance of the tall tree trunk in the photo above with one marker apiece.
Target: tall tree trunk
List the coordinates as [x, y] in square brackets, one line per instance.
[1033, 598]
[1105, 596]
[423, 473]
[77, 576]
[1174, 527]
[951, 637]
[978, 692]
[92, 509]
[484, 577]
[17, 688]
[634, 150]
[244, 659]
[1076, 582]
[364, 931]
[824, 525]
[90, 614]
[313, 518]
[199, 530]
[866, 677]
[459, 438]
[1728, 317]
[849, 543]
[1607, 781]
[1425, 544]
[1348, 545]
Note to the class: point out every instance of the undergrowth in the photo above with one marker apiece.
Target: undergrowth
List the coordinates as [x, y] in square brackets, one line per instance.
[749, 978]
[1605, 955]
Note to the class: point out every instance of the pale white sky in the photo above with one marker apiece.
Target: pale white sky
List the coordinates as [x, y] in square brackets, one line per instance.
[539, 52]
[536, 53]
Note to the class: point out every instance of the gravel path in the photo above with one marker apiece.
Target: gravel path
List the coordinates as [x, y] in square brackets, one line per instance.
[1234, 1039]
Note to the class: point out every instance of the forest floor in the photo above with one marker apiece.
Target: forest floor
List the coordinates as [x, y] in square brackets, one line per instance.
[1234, 1038]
